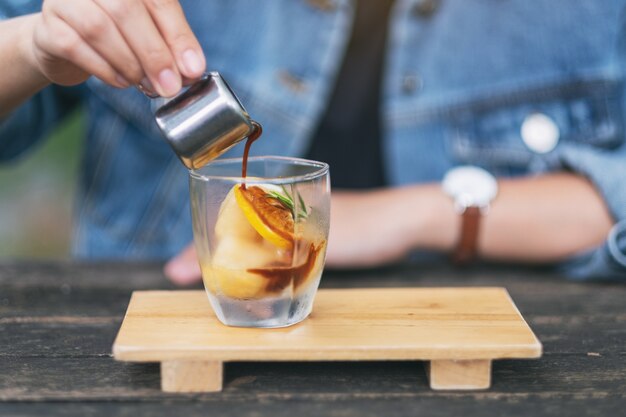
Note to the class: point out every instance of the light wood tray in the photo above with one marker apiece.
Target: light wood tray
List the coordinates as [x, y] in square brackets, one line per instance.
[459, 331]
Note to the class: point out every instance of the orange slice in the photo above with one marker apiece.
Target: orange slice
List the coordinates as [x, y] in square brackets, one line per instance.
[268, 216]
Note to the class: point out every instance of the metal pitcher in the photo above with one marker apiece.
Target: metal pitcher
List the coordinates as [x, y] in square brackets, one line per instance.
[203, 121]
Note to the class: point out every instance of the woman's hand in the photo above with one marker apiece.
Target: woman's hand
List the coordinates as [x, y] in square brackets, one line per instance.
[122, 42]
[184, 268]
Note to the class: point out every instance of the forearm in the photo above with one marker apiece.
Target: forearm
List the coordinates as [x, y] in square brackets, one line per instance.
[544, 219]
[534, 219]
[20, 78]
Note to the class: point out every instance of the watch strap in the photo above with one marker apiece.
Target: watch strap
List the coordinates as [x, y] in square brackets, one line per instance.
[467, 245]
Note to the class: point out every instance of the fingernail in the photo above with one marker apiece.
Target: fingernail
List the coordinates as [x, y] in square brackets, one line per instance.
[193, 63]
[121, 81]
[147, 88]
[169, 83]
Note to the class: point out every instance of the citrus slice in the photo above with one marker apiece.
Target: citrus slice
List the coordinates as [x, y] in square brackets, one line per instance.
[268, 216]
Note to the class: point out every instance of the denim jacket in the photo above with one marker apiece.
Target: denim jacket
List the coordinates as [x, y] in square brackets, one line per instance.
[459, 83]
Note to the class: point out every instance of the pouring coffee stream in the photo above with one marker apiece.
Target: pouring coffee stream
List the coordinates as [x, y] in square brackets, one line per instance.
[256, 133]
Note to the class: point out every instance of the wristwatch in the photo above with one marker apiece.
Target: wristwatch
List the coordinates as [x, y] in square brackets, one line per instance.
[472, 189]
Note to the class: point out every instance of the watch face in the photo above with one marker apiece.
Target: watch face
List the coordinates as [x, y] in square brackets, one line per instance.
[470, 186]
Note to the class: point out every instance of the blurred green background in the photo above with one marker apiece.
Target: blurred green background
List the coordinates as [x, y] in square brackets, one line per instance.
[37, 195]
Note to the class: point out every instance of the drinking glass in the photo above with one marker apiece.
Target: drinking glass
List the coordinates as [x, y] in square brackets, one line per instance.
[256, 273]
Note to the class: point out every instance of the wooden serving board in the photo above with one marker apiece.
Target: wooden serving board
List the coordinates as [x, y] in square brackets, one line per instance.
[459, 331]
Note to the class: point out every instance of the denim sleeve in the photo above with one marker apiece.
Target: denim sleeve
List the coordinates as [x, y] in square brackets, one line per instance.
[35, 119]
[31, 121]
[608, 262]
[606, 169]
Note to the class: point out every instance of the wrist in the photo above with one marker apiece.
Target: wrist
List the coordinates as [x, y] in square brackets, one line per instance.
[25, 39]
[435, 221]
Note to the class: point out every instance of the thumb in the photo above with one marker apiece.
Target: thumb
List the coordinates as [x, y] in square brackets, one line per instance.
[184, 269]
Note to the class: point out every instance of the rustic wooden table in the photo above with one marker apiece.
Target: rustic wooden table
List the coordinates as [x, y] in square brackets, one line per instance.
[58, 322]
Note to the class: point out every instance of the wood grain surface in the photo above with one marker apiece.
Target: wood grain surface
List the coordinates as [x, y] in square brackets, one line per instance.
[58, 321]
[346, 324]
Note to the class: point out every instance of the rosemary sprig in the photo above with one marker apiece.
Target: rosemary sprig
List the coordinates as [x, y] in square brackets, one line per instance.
[287, 200]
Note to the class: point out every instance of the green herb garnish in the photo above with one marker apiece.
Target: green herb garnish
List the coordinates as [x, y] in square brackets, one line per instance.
[287, 200]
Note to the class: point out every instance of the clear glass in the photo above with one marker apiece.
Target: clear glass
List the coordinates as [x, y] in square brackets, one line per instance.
[253, 276]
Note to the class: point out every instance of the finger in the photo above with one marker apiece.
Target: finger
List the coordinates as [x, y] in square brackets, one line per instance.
[184, 268]
[170, 19]
[63, 42]
[98, 30]
[141, 34]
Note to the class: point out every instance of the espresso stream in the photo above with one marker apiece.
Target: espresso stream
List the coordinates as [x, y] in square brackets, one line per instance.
[256, 133]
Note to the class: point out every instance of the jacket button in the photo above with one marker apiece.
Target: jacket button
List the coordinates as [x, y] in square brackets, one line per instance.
[425, 8]
[324, 5]
[411, 83]
[292, 82]
[540, 133]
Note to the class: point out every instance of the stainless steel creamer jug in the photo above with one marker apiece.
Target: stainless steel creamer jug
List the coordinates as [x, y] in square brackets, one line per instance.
[203, 121]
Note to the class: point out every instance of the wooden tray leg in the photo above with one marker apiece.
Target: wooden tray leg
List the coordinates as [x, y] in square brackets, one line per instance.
[459, 375]
[191, 376]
